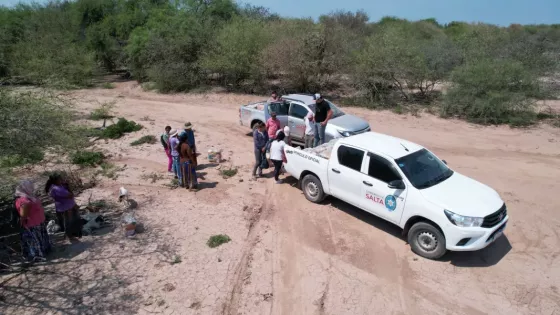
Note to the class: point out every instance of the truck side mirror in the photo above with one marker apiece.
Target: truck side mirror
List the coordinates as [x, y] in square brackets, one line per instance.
[396, 184]
[444, 162]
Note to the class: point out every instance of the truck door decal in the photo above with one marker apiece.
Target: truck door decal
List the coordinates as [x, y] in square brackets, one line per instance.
[391, 203]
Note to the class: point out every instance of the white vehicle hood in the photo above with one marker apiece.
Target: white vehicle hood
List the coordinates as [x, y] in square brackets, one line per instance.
[464, 196]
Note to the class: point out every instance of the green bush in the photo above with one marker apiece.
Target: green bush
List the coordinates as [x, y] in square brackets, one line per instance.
[117, 130]
[87, 158]
[492, 92]
[217, 240]
[149, 139]
[230, 172]
[32, 122]
[104, 111]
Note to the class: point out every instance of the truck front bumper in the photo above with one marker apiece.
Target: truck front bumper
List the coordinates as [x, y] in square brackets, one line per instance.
[471, 239]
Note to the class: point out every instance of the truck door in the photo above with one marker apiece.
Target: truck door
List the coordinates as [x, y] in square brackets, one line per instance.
[377, 198]
[296, 121]
[281, 109]
[344, 173]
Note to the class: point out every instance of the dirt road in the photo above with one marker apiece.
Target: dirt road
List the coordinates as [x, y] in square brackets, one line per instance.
[288, 256]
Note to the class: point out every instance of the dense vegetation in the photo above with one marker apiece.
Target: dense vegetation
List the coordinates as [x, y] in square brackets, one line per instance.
[491, 74]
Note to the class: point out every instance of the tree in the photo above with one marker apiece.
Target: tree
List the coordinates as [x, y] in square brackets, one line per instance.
[492, 92]
[235, 52]
[404, 56]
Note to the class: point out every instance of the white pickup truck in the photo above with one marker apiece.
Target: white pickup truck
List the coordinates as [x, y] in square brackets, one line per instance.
[403, 183]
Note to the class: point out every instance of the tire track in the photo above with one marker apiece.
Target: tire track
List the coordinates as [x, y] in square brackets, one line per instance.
[231, 305]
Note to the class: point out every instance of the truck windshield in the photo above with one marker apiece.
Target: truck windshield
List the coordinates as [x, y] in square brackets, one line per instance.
[423, 169]
[336, 111]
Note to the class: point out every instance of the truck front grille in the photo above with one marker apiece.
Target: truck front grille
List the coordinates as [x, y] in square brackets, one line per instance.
[495, 218]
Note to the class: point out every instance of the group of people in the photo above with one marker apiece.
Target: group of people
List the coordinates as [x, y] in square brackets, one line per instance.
[270, 137]
[35, 241]
[180, 148]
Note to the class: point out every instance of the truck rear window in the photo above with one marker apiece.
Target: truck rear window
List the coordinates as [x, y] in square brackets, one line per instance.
[350, 157]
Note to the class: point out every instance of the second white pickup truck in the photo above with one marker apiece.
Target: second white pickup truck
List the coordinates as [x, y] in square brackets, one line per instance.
[403, 183]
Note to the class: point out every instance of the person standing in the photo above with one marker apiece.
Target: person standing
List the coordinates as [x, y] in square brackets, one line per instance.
[272, 126]
[173, 143]
[274, 97]
[188, 164]
[35, 241]
[260, 140]
[309, 130]
[164, 139]
[66, 208]
[277, 155]
[323, 113]
[189, 132]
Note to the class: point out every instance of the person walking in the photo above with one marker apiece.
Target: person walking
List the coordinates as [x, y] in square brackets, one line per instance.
[260, 141]
[309, 130]
[164, 139]
[35, 241]
[173, 143]
[323, 113]
[66, 208]
[188, 177]
[277, 155]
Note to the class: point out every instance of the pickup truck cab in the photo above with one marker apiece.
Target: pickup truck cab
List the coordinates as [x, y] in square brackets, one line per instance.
[291, 111]
[405, 184]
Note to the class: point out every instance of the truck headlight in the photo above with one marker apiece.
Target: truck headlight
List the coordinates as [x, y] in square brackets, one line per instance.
[345, 133]
[463, 221]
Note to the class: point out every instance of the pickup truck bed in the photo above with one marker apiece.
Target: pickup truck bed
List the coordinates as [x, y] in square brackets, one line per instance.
[324, 150]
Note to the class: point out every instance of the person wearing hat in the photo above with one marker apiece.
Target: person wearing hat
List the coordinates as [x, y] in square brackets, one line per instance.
[323, 113]
[173, 143]
[189, 133]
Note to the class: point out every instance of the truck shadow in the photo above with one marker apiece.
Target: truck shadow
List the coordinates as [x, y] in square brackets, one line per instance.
[486, 257]
[366, 217]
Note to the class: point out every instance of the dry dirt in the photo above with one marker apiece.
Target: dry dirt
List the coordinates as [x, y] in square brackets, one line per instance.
[288, 256]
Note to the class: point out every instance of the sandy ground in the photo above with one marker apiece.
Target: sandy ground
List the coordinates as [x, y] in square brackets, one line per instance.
[288, 256]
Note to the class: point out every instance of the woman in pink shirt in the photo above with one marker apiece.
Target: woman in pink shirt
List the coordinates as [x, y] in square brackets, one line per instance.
[35, 241]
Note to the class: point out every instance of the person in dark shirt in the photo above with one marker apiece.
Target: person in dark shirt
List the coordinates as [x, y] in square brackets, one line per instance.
[260, 139]
[323, 113]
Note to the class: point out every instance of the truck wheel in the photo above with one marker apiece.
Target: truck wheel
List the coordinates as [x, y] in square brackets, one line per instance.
[426, 240]
[312, 188]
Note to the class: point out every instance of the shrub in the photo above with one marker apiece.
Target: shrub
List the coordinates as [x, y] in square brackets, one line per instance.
[149, 139]
[108, 85]
[152, 177]
[104, 111]
[109, 170]
[230, 172]
[117, 130]
[492, 92]
[87, 158]
[217, 240]
[32, 122]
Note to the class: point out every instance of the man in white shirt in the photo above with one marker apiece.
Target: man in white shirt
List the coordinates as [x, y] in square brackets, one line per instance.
[309, 130]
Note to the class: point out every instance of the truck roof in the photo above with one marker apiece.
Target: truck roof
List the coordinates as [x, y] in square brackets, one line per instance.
[379, 143]
[307, 99]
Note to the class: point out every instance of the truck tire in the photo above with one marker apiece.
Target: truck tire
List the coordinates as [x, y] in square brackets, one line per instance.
[426, 240]
[312, 188]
